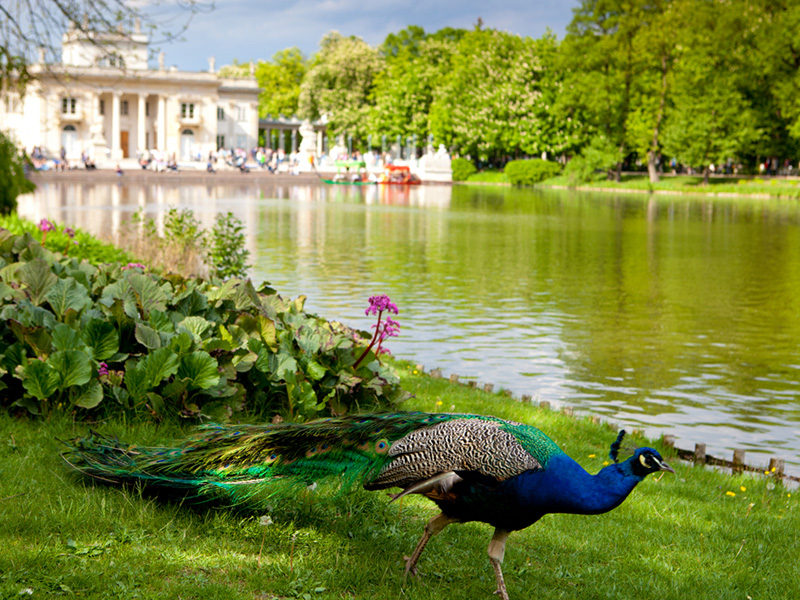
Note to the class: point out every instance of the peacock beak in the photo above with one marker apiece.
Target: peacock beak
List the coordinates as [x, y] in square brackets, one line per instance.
[664, 466]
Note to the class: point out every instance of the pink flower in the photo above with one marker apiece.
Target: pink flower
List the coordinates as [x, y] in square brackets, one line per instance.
[378, 304]
[45, 226]
[133, 266]
[70, 232]
[102, 369]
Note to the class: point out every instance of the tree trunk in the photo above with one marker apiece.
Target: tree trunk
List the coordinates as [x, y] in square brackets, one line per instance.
[706, 171]
[651, 166]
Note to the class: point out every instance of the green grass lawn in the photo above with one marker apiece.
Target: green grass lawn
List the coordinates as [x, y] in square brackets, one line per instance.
[783, 188]
[699, 534]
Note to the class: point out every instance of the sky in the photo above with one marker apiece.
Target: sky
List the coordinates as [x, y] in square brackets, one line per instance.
[247, 30]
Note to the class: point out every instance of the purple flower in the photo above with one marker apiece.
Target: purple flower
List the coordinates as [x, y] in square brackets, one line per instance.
[391, 328]
[133, 266]
[45, 226]
[378, 304]
[70, 232]
[102, 369]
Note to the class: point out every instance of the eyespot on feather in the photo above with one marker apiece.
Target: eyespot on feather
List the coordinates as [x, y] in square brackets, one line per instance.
[382, 446]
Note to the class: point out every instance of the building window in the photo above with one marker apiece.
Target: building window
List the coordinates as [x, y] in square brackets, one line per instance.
[69, 105]
[102, 107]
[220, 141]
[187, 110]
[241, 113]
[123, 108]
[13, 104]
[220, 113]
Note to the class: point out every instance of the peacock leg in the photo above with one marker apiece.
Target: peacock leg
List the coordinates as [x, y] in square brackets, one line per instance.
[434, 526]
[497, 548]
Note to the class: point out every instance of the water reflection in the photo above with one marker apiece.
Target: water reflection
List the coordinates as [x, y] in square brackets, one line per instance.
[673, 314]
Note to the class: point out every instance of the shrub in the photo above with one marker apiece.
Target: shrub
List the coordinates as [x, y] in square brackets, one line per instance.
[13, 181]
[119, 340]
[530, 172]
[227, 255]
[74, 243]
[594, 162]
[462, 169]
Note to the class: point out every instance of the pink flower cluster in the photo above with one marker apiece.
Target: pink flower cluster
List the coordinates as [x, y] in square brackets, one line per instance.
[383, 329]
[102, 369]
[378, 304]
[45, 226]
[133, 266]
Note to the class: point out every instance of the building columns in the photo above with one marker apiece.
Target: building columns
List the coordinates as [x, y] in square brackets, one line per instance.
[162, 124]
[141, 122]
[116, 149]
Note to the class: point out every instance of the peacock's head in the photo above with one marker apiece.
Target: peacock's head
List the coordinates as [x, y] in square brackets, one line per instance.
[644, 460]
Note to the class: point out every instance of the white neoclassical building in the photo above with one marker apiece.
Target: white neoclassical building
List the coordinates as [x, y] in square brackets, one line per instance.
[103, 99]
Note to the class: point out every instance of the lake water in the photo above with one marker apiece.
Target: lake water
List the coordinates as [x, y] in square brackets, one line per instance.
[672, 314]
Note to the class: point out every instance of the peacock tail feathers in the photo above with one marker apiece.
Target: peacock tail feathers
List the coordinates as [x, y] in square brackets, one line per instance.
[249, 463]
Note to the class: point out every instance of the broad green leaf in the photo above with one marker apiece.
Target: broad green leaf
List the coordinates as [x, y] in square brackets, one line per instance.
[38, 338]
[136, 380]
[67, 294]
[73, 367]
[66, 338]
[147, 336]
[181, 343]
[246, 297]
[196, 326]
[40, 380]
[161, 322]
[224, 292]
[200, 369]
[88, 396]
[150, 296]
[121, 290]
[315, 370]
[102, 337]
[38, 279]
[266, 328]
[158, 365]
[309, 340]
[281, 366]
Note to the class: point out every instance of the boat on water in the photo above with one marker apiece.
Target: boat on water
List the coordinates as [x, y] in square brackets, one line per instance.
[354, 172]
[350, 172]
[398, 175]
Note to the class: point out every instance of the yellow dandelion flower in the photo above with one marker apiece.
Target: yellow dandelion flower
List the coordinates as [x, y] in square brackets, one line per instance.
[766, 472]
[606, 463]
[592, 455]
[772, 469]
[415, 372]
[439, 403]
[744, 489]
[731, 494]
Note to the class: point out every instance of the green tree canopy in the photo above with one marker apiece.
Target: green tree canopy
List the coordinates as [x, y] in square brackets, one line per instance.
[280, 82]
[339, 84]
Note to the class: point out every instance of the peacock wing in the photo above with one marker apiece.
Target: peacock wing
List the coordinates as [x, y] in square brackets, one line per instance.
[468, 445]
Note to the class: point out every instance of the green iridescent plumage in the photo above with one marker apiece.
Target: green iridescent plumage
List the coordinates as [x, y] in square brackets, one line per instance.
[475, 468]
[253, 461]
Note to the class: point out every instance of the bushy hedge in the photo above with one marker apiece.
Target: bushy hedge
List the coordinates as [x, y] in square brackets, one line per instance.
[116, 339]
[530, 172]
[462, 169]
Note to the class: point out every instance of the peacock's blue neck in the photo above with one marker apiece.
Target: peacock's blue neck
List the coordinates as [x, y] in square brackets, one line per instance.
[564, 486]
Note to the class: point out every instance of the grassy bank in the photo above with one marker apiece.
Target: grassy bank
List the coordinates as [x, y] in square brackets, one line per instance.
[700, 534]
[681, 184]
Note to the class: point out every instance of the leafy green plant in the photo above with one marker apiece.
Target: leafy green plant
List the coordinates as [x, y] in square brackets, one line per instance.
[462, 169]
[13, 181]
[228, 255]
[74, 243]
[117, 339]
[530, 172]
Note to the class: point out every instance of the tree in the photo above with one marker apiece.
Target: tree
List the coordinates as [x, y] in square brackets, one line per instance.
[415, 65]
[711, 119]
[12, 175]
[496, 100]
[280, 81]
[599, 55]
[31, 26]
[339, 84]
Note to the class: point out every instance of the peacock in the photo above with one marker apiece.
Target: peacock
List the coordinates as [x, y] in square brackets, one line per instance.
[475, 468]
